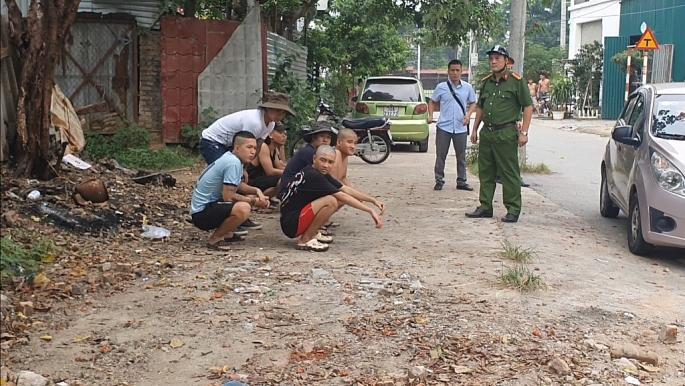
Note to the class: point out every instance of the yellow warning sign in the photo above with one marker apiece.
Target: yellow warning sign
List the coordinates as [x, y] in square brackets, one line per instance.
[647, 41]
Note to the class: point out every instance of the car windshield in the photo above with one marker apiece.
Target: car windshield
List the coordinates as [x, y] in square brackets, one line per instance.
[669, 117]
[392, 90]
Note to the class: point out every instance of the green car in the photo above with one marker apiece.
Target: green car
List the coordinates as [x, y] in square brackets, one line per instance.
[401, 100]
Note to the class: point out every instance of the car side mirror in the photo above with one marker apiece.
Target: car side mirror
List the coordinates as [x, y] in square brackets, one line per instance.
[354, 99]
[623, 134]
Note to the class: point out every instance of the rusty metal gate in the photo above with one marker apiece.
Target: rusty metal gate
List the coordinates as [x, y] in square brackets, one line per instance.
[99, 64]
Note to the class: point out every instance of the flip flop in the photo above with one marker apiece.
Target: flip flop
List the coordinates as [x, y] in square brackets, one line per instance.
[331, 224]
[313, 245]
[236, 238]
[218, 247]
[323, 239]
[323, 231]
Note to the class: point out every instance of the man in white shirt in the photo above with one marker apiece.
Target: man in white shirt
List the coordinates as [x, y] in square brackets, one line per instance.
[217, 139]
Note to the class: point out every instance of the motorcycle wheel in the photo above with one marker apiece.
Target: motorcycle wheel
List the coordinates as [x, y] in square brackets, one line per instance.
[300, 143]
[380, 149]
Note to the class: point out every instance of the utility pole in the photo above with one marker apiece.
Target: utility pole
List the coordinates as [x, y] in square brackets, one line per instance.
[418, 61]
[473, 56]
[564, 21]
[517, 46]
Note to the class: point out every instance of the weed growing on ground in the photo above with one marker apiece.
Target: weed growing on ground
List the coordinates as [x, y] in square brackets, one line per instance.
[517, 253]
[521, 278]
[17, 260]
[540, 168]
[130, 146]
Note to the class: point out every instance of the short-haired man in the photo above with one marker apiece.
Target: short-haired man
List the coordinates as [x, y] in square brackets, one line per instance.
[345, 148]
[313, 196]
[456, 101]
[220, 200]
[319, 134]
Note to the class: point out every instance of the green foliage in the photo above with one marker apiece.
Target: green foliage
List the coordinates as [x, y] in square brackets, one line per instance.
[193, 134]
[621, 60]
[540, 59]
[130, 146]
[431, 59]
[588, 64]
[17, 260]
[561, 92]
[303, 99]
[449, 22]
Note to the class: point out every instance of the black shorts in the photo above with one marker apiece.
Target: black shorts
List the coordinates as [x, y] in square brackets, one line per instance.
[264, 182]
[213, 215]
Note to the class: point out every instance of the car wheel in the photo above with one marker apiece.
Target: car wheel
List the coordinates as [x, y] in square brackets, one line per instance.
[636, 243]
[423, 146]
[606, 205]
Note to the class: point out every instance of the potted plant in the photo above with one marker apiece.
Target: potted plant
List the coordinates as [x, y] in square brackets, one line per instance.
[561, 92]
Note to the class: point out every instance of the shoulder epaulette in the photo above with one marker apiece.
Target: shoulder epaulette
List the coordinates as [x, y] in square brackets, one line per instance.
[486, 78]
[516, 76]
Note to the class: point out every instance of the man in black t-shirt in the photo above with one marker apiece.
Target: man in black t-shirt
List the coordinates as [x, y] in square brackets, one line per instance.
[313, 196]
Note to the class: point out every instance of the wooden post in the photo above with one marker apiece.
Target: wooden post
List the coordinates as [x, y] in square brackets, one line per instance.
[628, 71]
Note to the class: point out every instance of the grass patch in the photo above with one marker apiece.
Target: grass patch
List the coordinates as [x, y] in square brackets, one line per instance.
[540, 168]
[521, 278]
[17, 260]
[130, 146]
[517, 253]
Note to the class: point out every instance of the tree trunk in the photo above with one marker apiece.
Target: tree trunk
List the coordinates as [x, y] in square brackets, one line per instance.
[190, 8]
[40, 42]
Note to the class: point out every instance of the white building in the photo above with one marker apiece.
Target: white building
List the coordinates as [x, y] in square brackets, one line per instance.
[591, 20]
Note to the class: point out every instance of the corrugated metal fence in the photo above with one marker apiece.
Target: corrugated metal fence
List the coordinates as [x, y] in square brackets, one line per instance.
[662, 64]
[613, 79]
[278, 46]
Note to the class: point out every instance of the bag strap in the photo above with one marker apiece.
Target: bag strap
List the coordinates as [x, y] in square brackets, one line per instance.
[463, 109]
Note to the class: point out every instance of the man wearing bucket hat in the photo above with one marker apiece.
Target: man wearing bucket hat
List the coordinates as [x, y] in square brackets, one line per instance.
[320, 133]
[503, 96]
[218, 138]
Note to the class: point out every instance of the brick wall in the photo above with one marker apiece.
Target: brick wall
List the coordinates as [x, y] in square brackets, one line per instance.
[150, 83]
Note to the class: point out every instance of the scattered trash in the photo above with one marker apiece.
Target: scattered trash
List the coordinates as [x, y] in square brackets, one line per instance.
[93, 190]
[632, 380]
[34, 195]
[153, 232]
[176, 343]
[76, 162]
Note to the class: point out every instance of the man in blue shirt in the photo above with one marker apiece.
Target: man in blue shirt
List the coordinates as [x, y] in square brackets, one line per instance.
[453, 123]
[218, 201]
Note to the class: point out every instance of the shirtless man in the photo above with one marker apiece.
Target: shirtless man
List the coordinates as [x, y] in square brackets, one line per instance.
[533, 89]
[346, 146]
[313, 196]
[543, 87]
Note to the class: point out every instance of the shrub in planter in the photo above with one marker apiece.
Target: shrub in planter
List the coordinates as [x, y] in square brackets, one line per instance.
[561, 92]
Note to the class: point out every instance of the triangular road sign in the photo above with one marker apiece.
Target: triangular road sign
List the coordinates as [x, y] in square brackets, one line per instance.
[647, 41]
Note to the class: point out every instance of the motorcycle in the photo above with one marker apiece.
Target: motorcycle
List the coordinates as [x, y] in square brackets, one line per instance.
[374, 139]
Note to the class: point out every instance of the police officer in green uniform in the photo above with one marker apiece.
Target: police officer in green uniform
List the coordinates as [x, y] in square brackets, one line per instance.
[503, 95]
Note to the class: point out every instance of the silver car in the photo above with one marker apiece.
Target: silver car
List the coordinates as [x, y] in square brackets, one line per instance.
[643, 168]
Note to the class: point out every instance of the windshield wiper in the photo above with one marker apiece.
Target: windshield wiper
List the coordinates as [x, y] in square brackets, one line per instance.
[671, 136]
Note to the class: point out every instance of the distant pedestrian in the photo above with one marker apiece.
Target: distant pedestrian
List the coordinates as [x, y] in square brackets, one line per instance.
[456, 101]
[503, 96]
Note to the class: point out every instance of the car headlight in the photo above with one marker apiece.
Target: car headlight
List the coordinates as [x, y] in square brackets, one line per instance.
[667, 176]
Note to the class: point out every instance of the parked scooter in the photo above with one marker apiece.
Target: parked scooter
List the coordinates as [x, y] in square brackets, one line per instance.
[374, 140]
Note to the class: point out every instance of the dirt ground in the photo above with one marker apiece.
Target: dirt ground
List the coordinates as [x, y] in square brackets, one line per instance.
[416, 299]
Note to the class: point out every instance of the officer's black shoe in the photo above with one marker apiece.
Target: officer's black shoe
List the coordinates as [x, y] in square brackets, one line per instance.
[510, 218]
[524, 184]
[438, 186]
[479, 214]
[464, 186]
[498, 180]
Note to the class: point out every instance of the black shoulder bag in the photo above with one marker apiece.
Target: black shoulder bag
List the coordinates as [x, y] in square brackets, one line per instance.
[463, 109]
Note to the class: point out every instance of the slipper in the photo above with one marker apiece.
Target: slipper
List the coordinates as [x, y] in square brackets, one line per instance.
[331, 224]
[236, 238]
[323, 231]
[218, 247]
[313, 245]
[323, 239]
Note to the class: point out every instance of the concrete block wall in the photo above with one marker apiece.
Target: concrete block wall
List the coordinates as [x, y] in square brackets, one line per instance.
[150, 83]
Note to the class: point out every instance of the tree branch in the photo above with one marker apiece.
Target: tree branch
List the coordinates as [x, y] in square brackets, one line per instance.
[16, 19]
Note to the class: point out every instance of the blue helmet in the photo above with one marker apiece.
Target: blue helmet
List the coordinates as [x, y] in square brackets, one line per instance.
[498, 50]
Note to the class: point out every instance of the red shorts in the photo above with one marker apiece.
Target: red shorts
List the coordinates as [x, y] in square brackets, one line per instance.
[306, 217]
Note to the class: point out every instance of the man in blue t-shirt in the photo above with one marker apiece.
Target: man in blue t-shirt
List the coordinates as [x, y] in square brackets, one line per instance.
[220, 199]
[321, 133]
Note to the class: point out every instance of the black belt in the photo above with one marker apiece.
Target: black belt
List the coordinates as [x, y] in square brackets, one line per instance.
[500, 127]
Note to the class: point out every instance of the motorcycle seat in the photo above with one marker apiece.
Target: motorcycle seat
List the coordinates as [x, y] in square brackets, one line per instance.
[364, 123]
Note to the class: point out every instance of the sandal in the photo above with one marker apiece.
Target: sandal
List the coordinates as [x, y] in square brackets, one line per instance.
[313, 245]
[331, 224]
[218, 247]
[323, 231]
[236, 238]
[323, 238]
